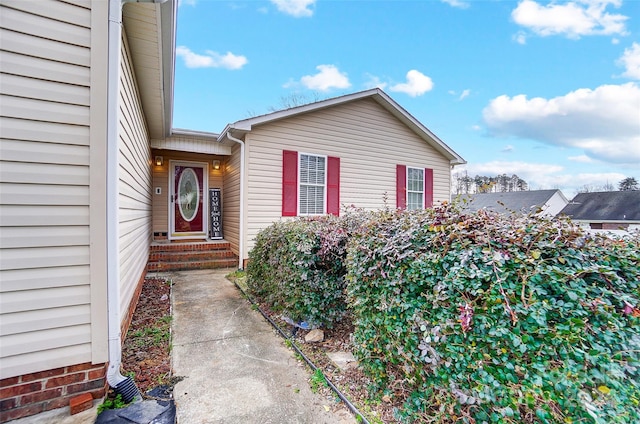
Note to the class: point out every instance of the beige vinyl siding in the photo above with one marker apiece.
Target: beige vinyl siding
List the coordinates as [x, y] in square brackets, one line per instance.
[45, 72]
[231, 200]
[161, 179]
[135, 183]
[369, 141]
[191, 143]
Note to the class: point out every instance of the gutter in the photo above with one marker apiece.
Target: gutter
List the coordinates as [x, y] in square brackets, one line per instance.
[121, 384]
[227, 133]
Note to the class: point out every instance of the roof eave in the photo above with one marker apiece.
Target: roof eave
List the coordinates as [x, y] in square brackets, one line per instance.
[168, 13]
[379, 96]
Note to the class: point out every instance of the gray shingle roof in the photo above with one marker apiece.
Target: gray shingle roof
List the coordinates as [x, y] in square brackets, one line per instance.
[605, 206]
[507, 202]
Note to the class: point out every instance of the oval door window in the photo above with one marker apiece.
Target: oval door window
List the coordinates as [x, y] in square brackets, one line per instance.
[188, 194]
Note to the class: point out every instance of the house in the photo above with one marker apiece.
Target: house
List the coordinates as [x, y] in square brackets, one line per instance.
[546, 203]
[608, 210]
[82, 96]
[360, 149]
[93, 179]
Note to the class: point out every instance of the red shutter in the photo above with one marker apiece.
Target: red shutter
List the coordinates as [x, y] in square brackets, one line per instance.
[289, 183]
[401, 186]
[333, 186]
[428, 188]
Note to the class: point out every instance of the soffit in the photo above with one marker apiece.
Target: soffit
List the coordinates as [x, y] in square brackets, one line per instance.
[150, 32]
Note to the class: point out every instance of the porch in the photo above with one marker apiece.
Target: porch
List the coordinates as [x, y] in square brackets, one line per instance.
[165, 255]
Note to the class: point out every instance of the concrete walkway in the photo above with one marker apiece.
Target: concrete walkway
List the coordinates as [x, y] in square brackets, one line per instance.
[236, 369]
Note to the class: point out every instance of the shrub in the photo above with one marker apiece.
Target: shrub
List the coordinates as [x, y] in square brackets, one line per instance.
[297, 267]
[490, 318]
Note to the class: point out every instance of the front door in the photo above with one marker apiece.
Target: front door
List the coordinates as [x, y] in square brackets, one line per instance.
[187, 206]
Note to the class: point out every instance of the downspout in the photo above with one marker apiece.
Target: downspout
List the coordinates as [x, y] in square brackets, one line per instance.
[121, 384]
[241, 220]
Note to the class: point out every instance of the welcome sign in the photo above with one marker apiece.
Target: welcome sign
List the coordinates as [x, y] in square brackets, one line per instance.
[215, 214]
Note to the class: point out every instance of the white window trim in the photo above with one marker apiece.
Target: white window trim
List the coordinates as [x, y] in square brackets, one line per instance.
[413, 191]
[326, 172]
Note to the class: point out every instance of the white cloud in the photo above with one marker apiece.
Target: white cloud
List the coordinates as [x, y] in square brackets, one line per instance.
[465, 93]
[580, 159]
[457, 3]
[630, 60]
[417, 84]
[210, 59]
[520, 37]
[572, 19]
[295, 8]
[374, 82]
[602, 122]
[328, 77]
[508, 149]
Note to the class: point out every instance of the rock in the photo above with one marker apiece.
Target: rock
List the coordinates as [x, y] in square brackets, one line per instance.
[314, 336]
[343, 360]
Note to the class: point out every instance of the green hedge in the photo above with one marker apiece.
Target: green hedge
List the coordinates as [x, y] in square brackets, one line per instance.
[297, 267]
[473, 317]
[492, 318]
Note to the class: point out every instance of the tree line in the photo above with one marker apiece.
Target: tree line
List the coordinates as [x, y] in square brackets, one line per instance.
[464, 184]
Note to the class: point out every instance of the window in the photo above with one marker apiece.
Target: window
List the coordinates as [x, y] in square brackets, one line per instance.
[415, 188]
[312, 184]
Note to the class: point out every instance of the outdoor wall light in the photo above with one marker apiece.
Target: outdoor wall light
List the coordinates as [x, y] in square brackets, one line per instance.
[216, 164]
[159, 160]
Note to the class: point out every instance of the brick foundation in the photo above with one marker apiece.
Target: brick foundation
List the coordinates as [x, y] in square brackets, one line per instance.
[42, 391]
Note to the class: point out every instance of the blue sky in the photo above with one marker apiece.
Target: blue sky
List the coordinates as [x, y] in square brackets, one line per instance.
[546, 90]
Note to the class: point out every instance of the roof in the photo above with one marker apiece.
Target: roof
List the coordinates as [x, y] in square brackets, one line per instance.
[382, 98]
[511, 201]
[605, 206]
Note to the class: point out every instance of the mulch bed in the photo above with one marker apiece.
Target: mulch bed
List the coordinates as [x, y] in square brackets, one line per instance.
[147, 347]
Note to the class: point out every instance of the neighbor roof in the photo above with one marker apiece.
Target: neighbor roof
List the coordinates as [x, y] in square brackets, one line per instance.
[511, 201]
[376, 94]
[605, 206]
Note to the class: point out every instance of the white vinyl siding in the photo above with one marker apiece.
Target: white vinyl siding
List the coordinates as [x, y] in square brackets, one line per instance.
[231, 200]
[369, 142]
[312, 184]
[415, 188]
[135, 184]
[45, 313]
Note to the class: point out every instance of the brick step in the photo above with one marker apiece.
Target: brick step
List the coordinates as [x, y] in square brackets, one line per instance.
[190, 256]
[190, 247]
[182, 266]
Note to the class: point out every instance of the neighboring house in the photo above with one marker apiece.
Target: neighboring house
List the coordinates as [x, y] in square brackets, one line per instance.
[546, 203]
[607, 210]
[92, 177]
